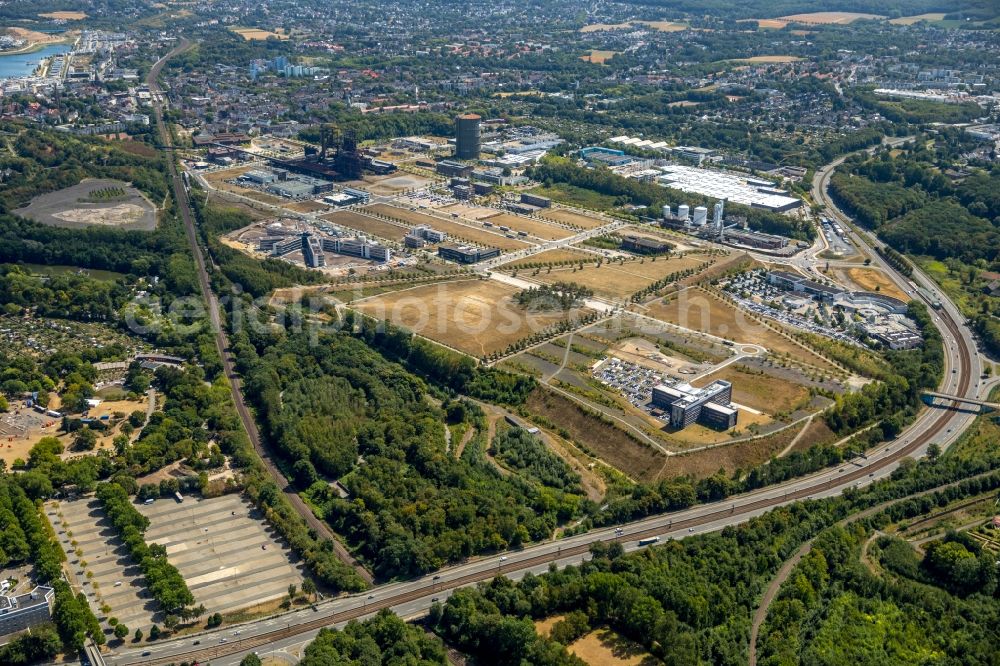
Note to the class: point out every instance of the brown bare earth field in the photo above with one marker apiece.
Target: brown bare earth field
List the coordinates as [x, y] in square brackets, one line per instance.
[910, 20]
[529, 226]
[614, 281]
[762, 392]
[366, 224]
[870, 278]
[551, 256]
[600, 439]
[572, 218]
[477, 317]
[771, 24]
[698, 310]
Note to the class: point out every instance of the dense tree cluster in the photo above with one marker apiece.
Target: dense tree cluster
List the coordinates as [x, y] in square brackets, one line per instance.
[163, 580]
[384, 639]
[556, 296]
[518, 449]
[337, 409]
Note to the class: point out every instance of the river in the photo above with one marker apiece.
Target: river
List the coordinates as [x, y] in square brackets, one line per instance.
[23, 64]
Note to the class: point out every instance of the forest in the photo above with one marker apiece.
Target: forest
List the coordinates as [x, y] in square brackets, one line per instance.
[339, 410]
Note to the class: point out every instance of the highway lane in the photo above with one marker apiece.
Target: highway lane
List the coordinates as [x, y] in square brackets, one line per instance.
[414, 597]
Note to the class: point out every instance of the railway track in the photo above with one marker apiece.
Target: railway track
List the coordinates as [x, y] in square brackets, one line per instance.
[843, 480]
[221, 339]
[849, 475]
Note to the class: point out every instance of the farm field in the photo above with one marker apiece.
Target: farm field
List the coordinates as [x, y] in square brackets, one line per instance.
[616, 281]
[455, 231]
[872, 279]
[828, 18]
[599, 27]
[478, 317]
[770, 59]
[665, 26]
[367, 224]
[93, 202]
[255, 34]
[701, 311]
[598, 57]
[910, 20]
[572, 218]
[529, 226]
[65, 15]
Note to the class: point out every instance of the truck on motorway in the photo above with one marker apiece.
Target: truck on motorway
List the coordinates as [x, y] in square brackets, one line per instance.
[930, 297]
[648, 541]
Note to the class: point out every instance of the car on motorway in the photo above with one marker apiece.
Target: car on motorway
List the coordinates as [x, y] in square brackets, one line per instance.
[503, 558]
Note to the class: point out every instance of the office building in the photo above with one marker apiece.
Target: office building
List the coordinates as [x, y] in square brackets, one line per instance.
[465, 254]
[643, 245]
[711, 406]
[467, 136]
[24, 611]
[453, 169]
[535, 200]
[797, 283]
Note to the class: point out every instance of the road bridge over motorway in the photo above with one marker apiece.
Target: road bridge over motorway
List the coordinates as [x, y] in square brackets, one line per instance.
[984, 405]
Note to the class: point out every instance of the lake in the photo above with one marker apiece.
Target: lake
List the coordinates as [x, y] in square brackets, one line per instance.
[23, 64]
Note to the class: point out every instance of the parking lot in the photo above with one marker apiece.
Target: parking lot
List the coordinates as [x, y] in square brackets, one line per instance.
[229, 557]
[632, 380]
[103, 569]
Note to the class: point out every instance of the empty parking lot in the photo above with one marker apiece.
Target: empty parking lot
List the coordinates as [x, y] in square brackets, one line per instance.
[228, 555]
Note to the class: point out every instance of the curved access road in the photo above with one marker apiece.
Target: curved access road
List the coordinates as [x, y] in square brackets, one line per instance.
[413, 597]
[221, 339]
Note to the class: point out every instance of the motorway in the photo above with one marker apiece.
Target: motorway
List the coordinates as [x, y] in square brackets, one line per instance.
[286, 633]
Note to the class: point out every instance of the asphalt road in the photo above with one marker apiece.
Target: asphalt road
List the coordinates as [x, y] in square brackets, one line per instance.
[410, 598]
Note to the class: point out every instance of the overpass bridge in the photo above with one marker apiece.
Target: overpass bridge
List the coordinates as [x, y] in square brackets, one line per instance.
[984, 405]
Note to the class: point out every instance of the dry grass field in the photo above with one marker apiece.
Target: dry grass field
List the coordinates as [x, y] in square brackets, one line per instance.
[771, 59]
[532, 227]
[762, 392]
[477, 317]
[616, 281]
[600, 27]
[255, 34]
[873, 279]
[741, 455]
[910, 20]
[469, 211]
[701, 311]
[601, 647]
[828, 18]
[306, 206]
[458, 232]
[550, 256]
[602, 440]
[65, 16]
[665, 26]
[598, 57]
[455, 230]
[366, 224]
[572, 218]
